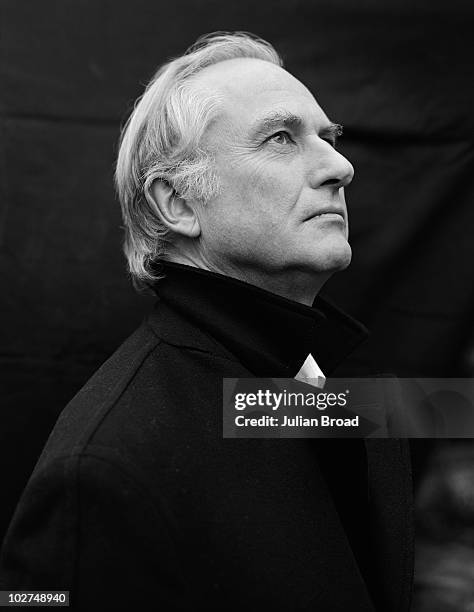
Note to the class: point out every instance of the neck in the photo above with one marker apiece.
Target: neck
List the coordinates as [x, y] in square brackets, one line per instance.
[298, 286]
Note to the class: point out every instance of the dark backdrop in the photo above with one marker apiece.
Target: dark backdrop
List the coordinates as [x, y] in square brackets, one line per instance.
[396, 74]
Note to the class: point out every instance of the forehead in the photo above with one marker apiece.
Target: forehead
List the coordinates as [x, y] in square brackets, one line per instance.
[250, 88]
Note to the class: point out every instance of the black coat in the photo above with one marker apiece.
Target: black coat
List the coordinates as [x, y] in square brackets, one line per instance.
[137, 501]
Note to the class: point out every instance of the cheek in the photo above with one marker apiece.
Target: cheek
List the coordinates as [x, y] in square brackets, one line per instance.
[262, 192]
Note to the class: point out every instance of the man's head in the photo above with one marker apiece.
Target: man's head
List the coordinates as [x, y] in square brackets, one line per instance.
[228, 163]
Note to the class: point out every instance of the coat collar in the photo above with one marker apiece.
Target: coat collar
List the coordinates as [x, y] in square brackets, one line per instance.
[270, 335]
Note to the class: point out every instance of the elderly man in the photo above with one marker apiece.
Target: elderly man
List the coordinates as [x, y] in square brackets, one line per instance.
[232, 194]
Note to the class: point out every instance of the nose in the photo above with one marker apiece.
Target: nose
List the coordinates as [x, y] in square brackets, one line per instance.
[330, 167]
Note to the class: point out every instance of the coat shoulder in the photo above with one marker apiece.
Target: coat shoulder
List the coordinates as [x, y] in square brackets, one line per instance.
[91, 405]
[140, 396]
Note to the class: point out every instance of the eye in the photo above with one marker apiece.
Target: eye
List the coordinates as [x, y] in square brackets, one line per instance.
[281, 138]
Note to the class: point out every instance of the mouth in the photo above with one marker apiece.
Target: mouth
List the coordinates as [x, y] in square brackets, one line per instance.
[328, 213]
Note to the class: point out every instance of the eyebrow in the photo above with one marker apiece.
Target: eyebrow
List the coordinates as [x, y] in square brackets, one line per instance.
[276, 119]
[332, 131]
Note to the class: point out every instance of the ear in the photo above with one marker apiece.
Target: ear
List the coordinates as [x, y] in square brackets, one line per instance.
[174, 211]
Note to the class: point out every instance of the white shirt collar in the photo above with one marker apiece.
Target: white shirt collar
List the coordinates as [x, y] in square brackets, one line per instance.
[310, 373]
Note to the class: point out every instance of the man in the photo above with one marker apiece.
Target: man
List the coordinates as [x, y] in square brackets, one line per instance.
[232, 195]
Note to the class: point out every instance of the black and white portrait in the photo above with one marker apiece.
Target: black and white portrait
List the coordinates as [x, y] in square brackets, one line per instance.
[194, 193]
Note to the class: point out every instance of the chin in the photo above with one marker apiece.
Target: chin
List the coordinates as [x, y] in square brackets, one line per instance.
[333, 258]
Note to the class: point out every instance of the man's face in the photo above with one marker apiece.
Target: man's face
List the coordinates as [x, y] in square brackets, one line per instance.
[280, 211]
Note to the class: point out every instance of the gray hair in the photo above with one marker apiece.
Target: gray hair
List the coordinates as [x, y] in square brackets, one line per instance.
[161, 140]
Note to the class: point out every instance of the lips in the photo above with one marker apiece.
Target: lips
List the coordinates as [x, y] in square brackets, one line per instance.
[327, 211]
